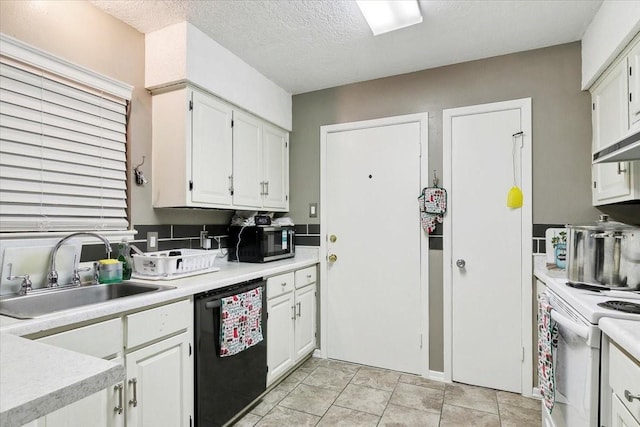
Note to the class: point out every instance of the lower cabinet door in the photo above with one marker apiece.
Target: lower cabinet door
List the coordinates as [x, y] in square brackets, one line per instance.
[305, 341]
[280, 335]
[158, 384]
[620, 416]
[96, 410]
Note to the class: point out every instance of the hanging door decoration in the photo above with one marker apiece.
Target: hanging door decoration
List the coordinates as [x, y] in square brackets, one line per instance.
[433, 205]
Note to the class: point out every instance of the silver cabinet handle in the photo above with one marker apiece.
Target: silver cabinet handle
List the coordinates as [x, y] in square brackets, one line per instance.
[134, 401]
[266, 186]
[299, 308]
[118, 409]
[630, 397]
[461, 263]
[293, 308]
[620, 170]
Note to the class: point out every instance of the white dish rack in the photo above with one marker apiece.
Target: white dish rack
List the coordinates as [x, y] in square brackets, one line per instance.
[173, 264]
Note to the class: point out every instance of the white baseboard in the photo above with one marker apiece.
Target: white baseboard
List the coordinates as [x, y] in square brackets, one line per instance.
[436, 376]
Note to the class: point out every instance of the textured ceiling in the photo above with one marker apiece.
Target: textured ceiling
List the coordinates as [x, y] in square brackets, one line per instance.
[306, 45]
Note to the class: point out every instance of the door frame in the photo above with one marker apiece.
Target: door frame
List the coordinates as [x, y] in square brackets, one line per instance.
[524, 105]
[423, 120]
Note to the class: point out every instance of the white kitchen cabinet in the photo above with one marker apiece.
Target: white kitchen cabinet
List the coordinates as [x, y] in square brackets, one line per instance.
[159, 385]
[305, 322]
[615, 104]
[260, 164]
[624, 381]
[280, 335]
[609, 105]
[275, 157]
[102, 340]
[209, 154]
[155, 347]
[633, 64]
[192, 150]
[291, 328]
[615, 182]
[620, 416]
[247, 160]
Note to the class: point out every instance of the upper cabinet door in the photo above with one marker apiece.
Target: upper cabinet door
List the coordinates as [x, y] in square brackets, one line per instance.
[634, 86]
[276, 168]
[610, 116]
[211, 153]
[247, 160]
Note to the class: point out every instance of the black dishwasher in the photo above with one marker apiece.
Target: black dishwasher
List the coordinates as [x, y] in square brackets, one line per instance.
[225, 385]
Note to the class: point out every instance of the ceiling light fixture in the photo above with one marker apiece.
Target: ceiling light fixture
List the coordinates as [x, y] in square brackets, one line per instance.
[389, 15]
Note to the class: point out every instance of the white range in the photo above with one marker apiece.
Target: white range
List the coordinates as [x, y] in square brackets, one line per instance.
[577, 356]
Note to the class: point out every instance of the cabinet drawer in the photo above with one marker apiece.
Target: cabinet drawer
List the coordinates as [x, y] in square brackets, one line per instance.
[278, 285]
[305, 276]
[157, 322]
[102, 339]
[624, 376]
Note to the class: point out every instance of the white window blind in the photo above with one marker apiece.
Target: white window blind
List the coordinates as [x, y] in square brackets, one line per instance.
[62, 147]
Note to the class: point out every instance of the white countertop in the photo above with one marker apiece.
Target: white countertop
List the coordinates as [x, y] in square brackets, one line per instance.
[626, 333]
[36, 378]
[230, 273]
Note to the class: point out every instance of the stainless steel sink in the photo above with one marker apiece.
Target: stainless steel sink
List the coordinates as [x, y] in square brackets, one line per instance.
[49, 301]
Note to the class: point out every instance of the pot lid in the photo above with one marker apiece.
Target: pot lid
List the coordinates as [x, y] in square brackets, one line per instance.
[603, 224]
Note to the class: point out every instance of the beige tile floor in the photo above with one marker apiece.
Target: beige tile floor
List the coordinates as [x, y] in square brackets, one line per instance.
[332, 393]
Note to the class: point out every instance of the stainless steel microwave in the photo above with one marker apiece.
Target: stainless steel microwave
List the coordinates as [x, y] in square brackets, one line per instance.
[261, 243]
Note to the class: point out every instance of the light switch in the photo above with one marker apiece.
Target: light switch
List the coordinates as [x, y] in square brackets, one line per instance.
[313, 210]
[152, 241]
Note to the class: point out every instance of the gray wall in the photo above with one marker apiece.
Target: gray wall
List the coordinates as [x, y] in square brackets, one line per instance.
[561, 133]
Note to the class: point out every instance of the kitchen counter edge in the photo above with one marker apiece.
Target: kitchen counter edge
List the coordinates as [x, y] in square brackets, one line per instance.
[626, 333]
[229, 274]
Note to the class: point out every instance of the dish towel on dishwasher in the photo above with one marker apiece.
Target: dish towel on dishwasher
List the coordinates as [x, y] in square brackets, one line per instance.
[547, 343]
[240, 322]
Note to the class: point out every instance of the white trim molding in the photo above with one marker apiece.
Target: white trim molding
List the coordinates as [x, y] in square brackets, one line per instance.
[23, 52]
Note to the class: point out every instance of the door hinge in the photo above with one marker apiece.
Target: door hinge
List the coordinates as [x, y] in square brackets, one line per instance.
[190, 185]
[419, 149]
[630, 97]
[522, 360]
[593, 106]
[231, 123]
[189, 349]
[630, 71]
[594, 184]
[190, 421]
[190, 105]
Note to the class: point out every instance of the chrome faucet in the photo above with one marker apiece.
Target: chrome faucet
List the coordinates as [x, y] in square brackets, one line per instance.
[52, 276]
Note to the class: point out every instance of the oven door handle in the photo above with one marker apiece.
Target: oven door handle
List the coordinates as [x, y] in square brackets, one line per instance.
[581, 330]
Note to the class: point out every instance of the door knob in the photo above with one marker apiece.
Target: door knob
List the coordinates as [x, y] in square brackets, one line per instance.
[333, 238]
[333, 258]
[460, 263]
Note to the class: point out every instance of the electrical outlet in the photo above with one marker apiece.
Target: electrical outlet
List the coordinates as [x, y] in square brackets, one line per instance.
[152, 241]
[204, 241]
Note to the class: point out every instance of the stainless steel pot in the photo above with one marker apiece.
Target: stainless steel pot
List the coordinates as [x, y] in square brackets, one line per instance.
[605, 253]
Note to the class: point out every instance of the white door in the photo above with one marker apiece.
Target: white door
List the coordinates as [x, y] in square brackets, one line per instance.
[376, 298]
[247, 160]
[305, 328]
[485, 244]
[211, 150]
[280, 335]
[275, 149]
[159, 393]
